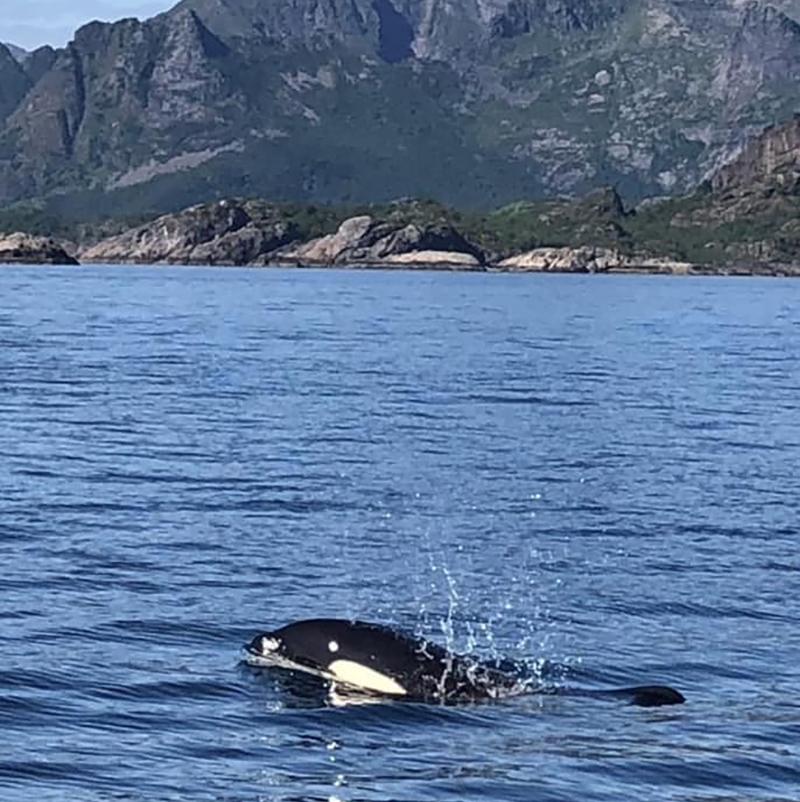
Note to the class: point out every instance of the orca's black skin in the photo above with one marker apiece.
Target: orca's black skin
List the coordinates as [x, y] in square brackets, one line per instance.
[426, 671]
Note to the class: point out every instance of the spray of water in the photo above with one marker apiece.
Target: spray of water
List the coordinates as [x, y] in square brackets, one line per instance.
[507, 624]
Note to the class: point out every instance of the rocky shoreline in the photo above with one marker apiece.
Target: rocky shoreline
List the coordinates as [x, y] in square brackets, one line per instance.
[554, 261]
[217, 235]
[359, 243]
[255, 234]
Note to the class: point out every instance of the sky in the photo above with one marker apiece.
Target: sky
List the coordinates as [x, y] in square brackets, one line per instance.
[31, 23]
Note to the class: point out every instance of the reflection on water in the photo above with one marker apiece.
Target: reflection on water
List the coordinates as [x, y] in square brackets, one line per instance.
[597, 473]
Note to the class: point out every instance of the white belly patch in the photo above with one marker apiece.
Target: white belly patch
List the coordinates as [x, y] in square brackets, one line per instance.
[361, 676]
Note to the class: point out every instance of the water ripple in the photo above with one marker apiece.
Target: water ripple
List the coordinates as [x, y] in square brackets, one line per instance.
[594, 475]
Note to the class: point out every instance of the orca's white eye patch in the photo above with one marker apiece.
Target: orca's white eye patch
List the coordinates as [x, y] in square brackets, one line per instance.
[269, 645]
[333, 647]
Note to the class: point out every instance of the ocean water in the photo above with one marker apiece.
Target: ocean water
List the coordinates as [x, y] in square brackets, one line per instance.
[597, 475]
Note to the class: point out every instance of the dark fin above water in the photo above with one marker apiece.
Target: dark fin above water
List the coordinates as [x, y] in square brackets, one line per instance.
[649, 696]
[657, 696]
[642, 696]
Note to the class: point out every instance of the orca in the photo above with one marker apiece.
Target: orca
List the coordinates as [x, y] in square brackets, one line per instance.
[378, 662]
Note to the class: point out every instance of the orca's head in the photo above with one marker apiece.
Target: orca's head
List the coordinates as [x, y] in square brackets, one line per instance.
[311, 644]
[365, 656]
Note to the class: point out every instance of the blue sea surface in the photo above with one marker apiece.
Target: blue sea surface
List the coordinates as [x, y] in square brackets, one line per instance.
[597, 475]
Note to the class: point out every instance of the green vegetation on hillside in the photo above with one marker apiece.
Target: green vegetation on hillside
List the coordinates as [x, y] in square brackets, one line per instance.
[749, 213]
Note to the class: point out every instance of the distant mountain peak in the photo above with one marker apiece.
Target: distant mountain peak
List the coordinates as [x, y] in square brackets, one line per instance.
[304, 22]
[19, 53]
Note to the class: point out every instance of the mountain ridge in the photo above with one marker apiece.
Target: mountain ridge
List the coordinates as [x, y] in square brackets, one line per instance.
[476, 102]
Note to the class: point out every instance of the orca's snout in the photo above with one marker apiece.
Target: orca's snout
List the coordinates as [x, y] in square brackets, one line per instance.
[263, 645]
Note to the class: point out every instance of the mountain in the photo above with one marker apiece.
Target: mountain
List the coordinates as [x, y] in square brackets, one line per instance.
[473, 102]
[19, 53]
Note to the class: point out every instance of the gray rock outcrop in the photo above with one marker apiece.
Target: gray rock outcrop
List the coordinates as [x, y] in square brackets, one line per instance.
[28, 249]
[590, 260]
[365, 240]
[439, 260]
[223, 233]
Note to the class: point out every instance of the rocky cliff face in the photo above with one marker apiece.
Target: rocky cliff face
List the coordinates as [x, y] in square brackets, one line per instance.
[14, 83]
[425, 29]
[375, 99]
[769, 161]
[308, 23]
[764, 53]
